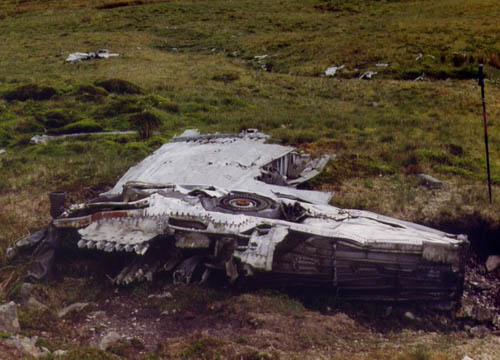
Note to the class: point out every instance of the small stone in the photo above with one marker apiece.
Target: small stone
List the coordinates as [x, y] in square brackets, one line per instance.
[28, 345]
[9, 322]
[26, 290]
[73, 307]
[467, 358]
[430, 181]
[33, 303]
[492, 263]
[479, 331]
[59, 352]
[109, 340]
[2, 152]
[409, 316]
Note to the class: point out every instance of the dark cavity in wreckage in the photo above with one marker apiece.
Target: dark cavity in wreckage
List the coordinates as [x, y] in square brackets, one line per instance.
[228, 203]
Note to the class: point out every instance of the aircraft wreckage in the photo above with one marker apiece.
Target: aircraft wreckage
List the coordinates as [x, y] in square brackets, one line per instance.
[203, 204]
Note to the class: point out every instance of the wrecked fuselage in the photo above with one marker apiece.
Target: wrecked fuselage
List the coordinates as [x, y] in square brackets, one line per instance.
[260, 228]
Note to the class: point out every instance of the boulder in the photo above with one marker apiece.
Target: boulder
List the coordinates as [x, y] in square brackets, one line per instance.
[430, 181]
[109, 340]
[27, 345]
[493, 262]
[9, 322]
[26, 290]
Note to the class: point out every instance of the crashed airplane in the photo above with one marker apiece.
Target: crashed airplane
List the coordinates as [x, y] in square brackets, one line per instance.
[228, 204]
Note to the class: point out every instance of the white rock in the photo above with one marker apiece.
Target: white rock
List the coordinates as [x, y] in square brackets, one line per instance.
[27, 345]
[26, 290]
[2, 151]
[467, 358]
[109, 339]
[493, 262]
[9, 322]
[73, 307]
[430, 181]
[33, 303]
[59, 352]
[409, 315]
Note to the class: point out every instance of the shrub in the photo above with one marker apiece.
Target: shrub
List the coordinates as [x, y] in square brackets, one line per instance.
[57, 118]
[30, 92]
[145, 123]
[119, 86]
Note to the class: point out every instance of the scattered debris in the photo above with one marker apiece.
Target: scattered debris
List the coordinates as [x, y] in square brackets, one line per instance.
[368, 75]
[3, 151]
[109, 340]
[44, 139]
[382, 65]
[420, 56]
[73, 307]
[239, 209]
[9, 322]
[81, 56]
[420, 78]
[430, 181]
[492, 263]
[27, 345]
[332, 70]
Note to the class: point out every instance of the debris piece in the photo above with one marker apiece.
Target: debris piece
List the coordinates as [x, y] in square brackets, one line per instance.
[73, 307]
[382, 65]
[420, 78]
[44, 139]
[430, 181]
[330, 72]
[260, 57]
[492, 263]
[81, 56]
[420, 56]
[467, 358]
[368, 75]
[28, 345]
[237, 206]
[3, 151]
[9, 322]
[59, 352]
[109, 340]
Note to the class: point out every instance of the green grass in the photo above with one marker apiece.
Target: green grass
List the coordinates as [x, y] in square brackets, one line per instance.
[191, 64]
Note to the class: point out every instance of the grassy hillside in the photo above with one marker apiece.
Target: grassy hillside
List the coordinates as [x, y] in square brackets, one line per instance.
[227, 65]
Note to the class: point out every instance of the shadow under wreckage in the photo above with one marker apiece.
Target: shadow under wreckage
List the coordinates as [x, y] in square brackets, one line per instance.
[205, 204]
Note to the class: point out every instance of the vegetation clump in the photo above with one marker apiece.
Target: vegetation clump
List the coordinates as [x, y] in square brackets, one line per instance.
[82, 126]
[145, 122]
[30, 92]
[119, 86]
